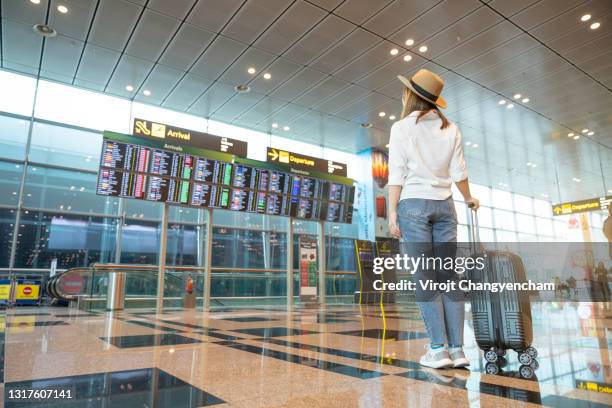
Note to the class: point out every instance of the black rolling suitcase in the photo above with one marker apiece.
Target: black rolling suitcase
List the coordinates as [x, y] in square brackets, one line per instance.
[502, 320]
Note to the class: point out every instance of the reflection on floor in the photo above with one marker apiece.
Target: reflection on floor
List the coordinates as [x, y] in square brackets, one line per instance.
[333, 356]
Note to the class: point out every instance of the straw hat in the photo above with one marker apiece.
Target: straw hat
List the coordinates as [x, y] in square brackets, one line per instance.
[427, 85]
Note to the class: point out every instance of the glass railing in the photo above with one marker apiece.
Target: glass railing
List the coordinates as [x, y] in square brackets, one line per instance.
[229, 286]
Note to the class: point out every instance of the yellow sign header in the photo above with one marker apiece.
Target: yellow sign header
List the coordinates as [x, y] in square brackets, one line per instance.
[573, 207]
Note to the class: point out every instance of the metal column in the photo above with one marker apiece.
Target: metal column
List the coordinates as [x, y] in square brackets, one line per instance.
[289, 264]
[208, 257]
[161, 272]
[322, 261]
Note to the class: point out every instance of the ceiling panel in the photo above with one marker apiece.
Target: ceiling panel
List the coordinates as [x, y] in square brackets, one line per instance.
[20, 45]
[152, 34]
[175, 8]
[281, 70]
[76, 22]
[186, 92]
[253, 19]
[434, 20]
[323, 90]
[358, 11]
[218, 57]
[113, 24]
[213, 14]
[97, 64]
[186, 47]
[160, 82]
[215, 96]
[24, 12]
[299, 84]
[323, 36]
[542, 11]
[130, 71]
[61, 58]
[295, 23]
[397, 14]
[349, 48]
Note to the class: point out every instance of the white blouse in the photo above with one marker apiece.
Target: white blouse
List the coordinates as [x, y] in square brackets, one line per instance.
[424, 159]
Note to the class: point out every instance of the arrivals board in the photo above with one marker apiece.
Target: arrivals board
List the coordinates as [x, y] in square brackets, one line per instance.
[154, 174]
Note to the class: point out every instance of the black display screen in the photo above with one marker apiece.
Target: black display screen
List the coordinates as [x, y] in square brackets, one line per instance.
[279, 182]
[139, 172]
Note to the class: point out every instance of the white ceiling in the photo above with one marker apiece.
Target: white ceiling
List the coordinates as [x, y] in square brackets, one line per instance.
[332, 70]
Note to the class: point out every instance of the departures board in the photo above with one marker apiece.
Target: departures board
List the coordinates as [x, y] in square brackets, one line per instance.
[147, 173]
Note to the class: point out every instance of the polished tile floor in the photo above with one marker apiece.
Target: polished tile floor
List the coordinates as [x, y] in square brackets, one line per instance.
[339, 356]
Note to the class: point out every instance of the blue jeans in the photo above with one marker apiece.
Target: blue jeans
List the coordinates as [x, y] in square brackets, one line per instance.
[429, 228]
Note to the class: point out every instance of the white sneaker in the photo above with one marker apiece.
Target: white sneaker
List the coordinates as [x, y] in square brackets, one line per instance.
[458, 357]
[436, 358]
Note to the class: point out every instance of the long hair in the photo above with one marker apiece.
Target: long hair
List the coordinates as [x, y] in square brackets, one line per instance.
[413, 102]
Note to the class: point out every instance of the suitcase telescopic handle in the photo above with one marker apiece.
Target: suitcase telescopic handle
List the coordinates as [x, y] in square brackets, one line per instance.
[474, 230]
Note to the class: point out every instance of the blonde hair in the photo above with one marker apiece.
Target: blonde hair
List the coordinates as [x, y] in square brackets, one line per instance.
[413, 102]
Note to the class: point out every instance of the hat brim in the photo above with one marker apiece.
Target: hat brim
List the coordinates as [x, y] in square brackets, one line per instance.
[438, 102]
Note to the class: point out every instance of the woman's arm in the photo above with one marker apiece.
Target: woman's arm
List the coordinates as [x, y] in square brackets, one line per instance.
[394, 195]
[464, 189]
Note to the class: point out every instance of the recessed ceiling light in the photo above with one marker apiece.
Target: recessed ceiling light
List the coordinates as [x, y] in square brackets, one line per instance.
[286, 128]
[267, 75]
[510, 106]
[242, 88]
[407, 57]
[517, 96]
[387, 145]
[423, 48]
[146, 92]
[475, 145]
[544, 195]
[595, 26]
[394, 51]
[409, 42]
[585, 130]
[591, 133]
[35, 1]
[251, 70]
[577, 180]
[529, 163]
[534, 165]
[129, 88]
[275, 125]
[63, 9]
[392, 117]
[570, 134]
[502, 102]
[381, 114]
[576, 137]
[525, 100]
[44, 30]
[586, 17]
[467, 143]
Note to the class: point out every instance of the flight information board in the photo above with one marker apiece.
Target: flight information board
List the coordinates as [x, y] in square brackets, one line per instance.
[153, 174]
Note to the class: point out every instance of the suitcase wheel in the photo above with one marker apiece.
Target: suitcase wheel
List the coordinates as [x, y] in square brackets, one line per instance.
[490, 356]
[534, 364]
[491, 368]
[526, 372]
[532, 352]
[525, 359]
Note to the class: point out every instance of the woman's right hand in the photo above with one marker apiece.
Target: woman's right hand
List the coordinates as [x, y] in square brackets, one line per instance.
[473, 203]
[393, 226]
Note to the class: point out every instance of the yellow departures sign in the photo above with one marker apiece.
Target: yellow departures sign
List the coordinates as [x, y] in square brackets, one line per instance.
[573, 207]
